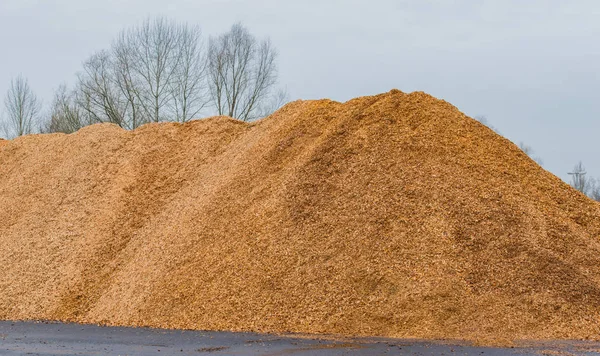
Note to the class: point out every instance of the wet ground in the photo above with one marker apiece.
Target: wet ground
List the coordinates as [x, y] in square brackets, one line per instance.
[31, 338]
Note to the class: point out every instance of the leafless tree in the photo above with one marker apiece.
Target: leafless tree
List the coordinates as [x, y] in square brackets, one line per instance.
[98, 93]
[159, 70]
[65, 113]
[155, 57]
[579, 180]
[188, 87]
[594, 189]
[22, 108]
[126, 82]
[242, 73]
[162, 71]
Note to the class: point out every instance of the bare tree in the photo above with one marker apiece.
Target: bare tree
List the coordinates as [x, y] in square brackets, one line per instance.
[594, 189]
[159, 70]
[162, 71]
[98, 92]
[242, 73]
[129, 87]
[156, 56]
[22, 108]
[65, 114]
[188, 87]
[579, 180]
[3, 126]
[153, 72]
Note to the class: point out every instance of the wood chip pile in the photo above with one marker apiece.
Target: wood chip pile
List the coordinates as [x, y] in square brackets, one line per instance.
[393, 215]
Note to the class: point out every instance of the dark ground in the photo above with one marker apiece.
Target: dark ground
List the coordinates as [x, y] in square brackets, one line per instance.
[31, 338]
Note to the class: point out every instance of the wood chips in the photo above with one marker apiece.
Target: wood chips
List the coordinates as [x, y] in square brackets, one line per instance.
[392, 215]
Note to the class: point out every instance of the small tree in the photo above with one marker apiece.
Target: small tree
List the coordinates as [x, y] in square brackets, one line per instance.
[242, 73]
[22, 108]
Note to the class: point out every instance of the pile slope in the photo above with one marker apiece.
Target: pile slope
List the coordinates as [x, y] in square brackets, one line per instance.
[392, 215]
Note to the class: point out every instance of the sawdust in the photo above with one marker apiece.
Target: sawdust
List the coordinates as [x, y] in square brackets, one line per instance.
[393, 215]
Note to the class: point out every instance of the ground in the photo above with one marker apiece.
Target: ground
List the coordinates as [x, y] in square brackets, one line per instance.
[42, 338]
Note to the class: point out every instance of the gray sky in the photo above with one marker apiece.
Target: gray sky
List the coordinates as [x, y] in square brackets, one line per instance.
[531, 67]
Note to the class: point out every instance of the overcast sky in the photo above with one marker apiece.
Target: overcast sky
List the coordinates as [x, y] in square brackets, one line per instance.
[531, 67]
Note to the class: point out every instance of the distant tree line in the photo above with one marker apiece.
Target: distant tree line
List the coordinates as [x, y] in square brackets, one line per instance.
[157, 71]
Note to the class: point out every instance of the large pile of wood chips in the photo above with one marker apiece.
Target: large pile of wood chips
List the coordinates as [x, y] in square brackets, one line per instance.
[393, 215]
